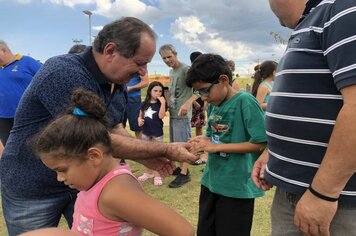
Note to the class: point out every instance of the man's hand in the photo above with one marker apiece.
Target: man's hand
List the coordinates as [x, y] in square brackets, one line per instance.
[164, 166]
[258, 172]
[183, 110]
[314, 215]
[196, 105]
[180, 152]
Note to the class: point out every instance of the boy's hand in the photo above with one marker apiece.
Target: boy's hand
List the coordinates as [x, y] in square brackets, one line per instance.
[201, 143]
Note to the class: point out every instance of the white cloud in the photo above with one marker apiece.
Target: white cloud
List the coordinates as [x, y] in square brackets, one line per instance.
[188, 29]
[119, 8]
[98, 28]
[193, 33]
[70, 3]
[238, 30]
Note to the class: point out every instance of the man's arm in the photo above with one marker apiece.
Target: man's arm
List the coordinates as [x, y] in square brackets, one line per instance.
[183, 110]
[1, 149]
[339, 164]
[120, 130]
[136, 149]
[144, 83]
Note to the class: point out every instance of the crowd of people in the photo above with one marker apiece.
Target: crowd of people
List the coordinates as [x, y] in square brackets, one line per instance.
[64, 141]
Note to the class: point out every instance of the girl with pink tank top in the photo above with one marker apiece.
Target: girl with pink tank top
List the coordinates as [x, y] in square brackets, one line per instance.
[111, 201]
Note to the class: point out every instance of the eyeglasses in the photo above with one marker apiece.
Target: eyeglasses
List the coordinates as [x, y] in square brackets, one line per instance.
[206, 91]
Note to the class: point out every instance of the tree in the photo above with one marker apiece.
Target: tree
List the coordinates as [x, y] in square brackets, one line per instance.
[278, 38]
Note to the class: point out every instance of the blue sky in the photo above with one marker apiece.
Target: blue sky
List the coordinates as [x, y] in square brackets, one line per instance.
[239, 30]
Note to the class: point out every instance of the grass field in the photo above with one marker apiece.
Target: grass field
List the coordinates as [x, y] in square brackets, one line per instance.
[185, 200]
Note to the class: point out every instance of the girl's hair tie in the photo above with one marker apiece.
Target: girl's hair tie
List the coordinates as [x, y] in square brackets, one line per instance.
[79, 112]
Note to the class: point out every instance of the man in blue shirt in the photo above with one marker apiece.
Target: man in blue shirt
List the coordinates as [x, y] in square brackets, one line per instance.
[32, 197]
[16, 72]
[134, 103]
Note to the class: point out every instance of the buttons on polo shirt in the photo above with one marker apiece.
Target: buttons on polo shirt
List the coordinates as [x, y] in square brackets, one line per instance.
[296, 40]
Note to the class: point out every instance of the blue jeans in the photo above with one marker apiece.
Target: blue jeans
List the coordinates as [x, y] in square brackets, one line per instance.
[132, 111]
[180, 130]
[22, 215]
[282, 215]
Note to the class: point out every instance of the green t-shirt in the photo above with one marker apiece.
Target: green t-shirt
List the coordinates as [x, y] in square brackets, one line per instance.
[239, 119]
[179, 92]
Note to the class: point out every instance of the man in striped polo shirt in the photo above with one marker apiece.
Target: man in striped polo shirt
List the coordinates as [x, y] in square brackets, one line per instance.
[310, 121]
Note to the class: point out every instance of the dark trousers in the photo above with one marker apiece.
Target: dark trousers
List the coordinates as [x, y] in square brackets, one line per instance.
[222, 216]
[5, 128]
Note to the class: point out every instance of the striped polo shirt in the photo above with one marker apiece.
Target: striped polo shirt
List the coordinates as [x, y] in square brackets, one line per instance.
[320, 59]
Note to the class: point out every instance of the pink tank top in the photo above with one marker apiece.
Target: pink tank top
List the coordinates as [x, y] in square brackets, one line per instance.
[87, 219]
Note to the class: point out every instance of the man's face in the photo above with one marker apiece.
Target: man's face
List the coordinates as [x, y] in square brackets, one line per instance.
[169, 58]
[120, 70]
[3, 60]
[288, 11]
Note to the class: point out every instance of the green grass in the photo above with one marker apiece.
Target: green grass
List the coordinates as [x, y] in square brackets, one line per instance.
[185, 200]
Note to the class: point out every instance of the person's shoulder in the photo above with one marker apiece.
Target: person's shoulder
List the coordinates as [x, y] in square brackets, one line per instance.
[341, 5]
[115, 183]
[31, 63]
[66, 62]
[28, 58]
[62, 69]
[245, 99]
[243, 95]
[184, 66]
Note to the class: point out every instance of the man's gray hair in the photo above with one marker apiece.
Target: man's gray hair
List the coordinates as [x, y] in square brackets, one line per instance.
[3, 44]
[167, 47]
[125, 33]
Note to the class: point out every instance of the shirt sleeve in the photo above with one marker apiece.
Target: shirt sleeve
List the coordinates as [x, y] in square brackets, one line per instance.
[254, 120]
[339, 43]
[57, 85]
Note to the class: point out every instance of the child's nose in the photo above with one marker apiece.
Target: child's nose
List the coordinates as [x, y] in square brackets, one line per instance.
[60, 178]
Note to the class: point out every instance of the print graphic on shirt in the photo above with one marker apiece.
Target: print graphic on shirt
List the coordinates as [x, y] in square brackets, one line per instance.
[85, 225]
[15, 68]
[217, 128]
[214, 121]
[149, 113]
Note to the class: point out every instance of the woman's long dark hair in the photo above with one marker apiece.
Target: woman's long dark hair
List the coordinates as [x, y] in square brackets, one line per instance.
[262, 72]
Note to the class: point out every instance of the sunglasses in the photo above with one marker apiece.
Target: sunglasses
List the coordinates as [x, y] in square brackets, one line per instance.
[206, 91]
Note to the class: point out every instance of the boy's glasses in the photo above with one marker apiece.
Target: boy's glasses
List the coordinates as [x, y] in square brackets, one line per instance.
[206, 91]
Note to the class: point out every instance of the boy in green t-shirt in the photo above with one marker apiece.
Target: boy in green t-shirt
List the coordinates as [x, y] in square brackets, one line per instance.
[234, 139]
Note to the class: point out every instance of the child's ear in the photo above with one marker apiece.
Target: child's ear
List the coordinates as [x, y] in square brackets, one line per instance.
[224, 79]
[95, 155]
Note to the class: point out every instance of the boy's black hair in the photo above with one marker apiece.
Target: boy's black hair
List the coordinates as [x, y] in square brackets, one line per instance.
[207, 68]
[194, 55]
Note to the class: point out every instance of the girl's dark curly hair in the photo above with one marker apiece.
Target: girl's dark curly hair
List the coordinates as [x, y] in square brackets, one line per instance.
[69, 135]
